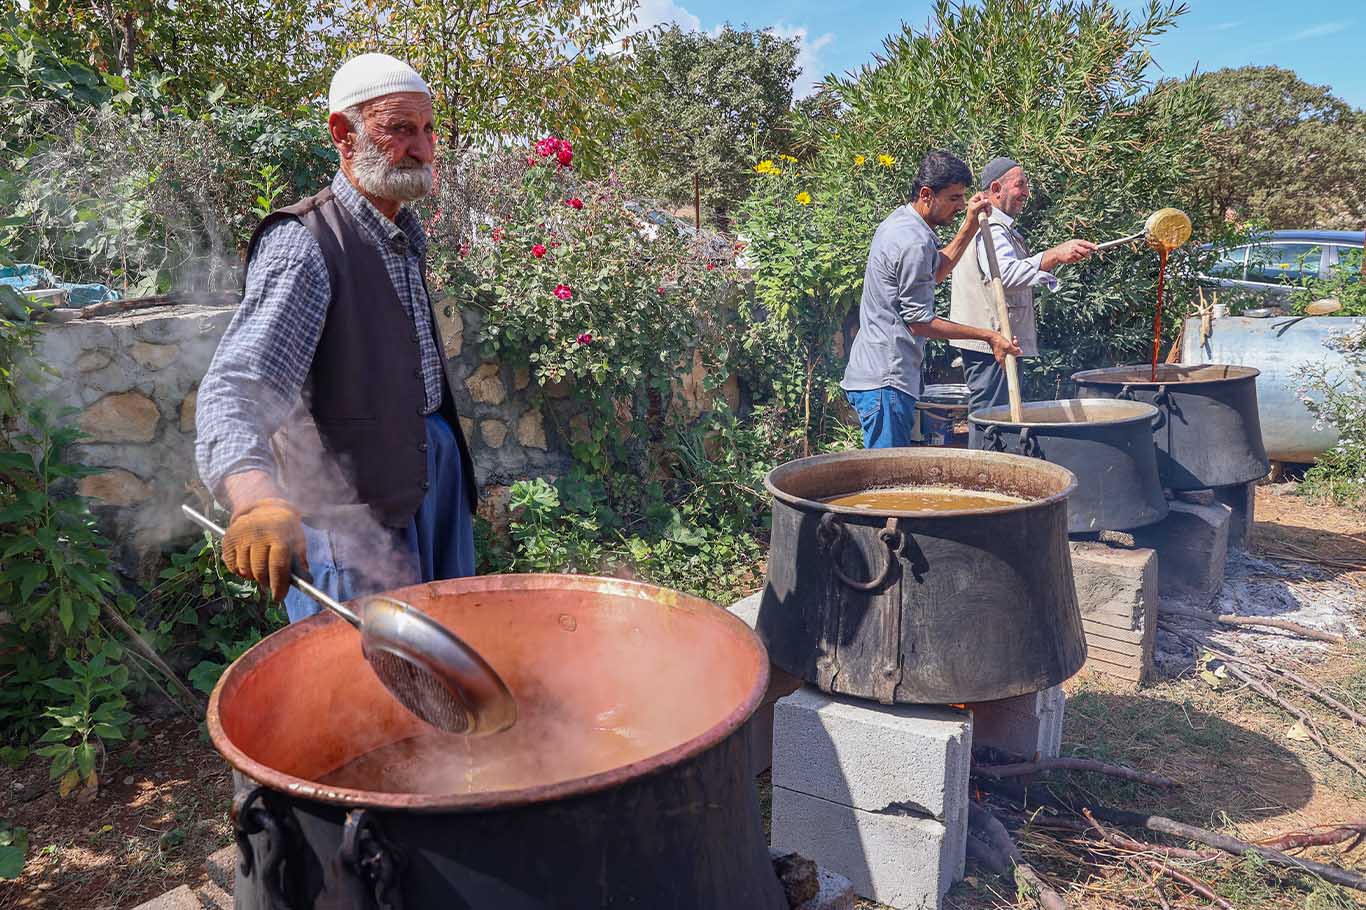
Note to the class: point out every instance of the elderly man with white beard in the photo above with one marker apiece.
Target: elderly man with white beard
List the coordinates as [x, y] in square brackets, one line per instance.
[325, 420]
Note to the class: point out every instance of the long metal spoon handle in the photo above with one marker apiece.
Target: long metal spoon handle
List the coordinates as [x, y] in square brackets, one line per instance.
[1110, 244]
[316, 593]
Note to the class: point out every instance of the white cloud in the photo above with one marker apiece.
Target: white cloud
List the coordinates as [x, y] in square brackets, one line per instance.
[665, 12]
[1225, 26]
[811, 70]
[1319, 31]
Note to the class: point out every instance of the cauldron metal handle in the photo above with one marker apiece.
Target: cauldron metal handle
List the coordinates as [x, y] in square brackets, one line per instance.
[1029, 443]
[830, 535]
[367, 854]
[249, 818]
[991, 437]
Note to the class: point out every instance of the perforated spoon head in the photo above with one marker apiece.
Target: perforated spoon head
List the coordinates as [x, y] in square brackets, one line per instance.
[1167, 229]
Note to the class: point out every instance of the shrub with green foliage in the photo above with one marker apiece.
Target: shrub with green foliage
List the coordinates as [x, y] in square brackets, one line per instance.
[1338, 398]
[1062, 88]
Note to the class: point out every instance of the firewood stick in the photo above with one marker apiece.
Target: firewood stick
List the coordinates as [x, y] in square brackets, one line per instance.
[1000, 840]
[1164, 825]
[1190, 882]
[1230, 619]
[1295, 680]
[1125, 842]
[1157, 889]
[1295, 840]
[1065, 763]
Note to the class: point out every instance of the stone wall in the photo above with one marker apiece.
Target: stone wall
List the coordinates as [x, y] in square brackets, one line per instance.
[133, 378]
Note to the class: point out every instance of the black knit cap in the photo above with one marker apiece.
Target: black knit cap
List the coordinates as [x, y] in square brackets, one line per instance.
[996, 169]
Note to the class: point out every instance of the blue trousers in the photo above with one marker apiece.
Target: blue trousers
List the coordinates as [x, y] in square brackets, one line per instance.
[886, 415]
[369, 558]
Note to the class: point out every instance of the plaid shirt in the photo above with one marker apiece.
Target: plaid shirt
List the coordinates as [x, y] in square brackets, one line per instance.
[265, 356]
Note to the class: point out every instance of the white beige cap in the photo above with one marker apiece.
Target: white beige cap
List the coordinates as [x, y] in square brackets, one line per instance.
[370, 76]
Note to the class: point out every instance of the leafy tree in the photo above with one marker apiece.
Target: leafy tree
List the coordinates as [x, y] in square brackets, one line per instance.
[272, 52]
[709, 101]
[1283, 151]
[1061, 88]
[508, 68]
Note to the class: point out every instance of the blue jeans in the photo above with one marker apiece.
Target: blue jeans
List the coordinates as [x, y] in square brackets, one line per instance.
[365, 558]
[887, 416]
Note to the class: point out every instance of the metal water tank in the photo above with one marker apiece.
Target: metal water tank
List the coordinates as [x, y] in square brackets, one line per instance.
[1278, 346]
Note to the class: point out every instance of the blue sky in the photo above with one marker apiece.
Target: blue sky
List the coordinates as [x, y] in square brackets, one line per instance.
[1322, 40]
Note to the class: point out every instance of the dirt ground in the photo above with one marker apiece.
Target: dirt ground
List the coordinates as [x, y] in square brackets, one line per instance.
[1242, 767]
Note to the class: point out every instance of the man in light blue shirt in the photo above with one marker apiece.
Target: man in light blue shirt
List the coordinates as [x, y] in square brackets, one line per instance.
[896, 312]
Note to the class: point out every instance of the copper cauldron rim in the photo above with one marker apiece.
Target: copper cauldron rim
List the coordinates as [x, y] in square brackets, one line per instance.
[1000, 415]
[1112, 375]
[816, 505]
[500, 799]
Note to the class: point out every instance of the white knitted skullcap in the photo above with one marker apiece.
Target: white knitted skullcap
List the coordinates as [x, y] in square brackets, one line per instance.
[370, 76]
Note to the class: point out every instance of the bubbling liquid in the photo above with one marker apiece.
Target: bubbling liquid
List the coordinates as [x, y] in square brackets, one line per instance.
[923, 499]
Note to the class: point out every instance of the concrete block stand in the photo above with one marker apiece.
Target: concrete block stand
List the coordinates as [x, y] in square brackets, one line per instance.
[1117, 590]
[1027, 725]
[876, 793]
[1242, 500]
[1192, 547]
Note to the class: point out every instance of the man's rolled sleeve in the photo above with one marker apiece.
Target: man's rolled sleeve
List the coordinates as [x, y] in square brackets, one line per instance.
[263, 360]
[1015, 272]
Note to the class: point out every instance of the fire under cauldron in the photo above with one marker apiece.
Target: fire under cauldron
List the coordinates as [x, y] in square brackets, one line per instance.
[1107, 444]
[624, 783]
[922, 607]
[1212, 436]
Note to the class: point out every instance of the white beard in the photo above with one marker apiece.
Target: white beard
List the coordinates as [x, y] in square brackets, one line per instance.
[376, 176]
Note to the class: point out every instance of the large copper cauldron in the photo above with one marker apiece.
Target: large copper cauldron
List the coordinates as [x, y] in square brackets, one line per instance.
[625, 782]
[1211, 435]
[922, 607]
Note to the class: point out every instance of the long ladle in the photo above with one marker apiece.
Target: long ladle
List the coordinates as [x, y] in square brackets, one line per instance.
[430, 671]
[1165, 229]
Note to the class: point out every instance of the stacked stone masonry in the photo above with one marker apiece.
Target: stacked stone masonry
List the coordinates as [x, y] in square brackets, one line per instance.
[876, 793]
[133, 379]
[1117, 593]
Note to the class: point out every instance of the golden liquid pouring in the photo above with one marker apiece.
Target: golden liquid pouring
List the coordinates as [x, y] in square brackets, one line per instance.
[923, 499]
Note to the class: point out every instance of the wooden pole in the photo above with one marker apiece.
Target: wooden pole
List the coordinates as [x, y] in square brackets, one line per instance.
[1003, 317]
[696, 202]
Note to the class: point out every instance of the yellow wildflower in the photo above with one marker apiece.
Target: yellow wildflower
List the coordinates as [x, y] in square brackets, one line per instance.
[764, 167]
[858, 160]
[804, 198]
[787, 158]
[886, 160]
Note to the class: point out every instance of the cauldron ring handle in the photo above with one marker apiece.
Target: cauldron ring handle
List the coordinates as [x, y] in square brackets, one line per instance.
[248, 819]
[991, 436]
[370, 855]
[1126, 392]
[830, 535]
[1029, 444]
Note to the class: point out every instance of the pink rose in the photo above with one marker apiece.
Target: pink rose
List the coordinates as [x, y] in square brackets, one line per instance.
[464, 250]
[538, 250]
[497, 234]
[564, 156]
[661, 291]
[547, 146]
[711, 266]
[575, 203]
[585, 339]
[563, 291]
[531, 160]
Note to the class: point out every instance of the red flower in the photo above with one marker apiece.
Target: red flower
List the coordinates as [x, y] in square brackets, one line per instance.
[711, 266]
[497, 234]
[661, 291]
[563, 291]
[575, 203]
[564, 154]
[585, 339]
[538, 251]
[531, 160]
[554, 243]
[464, 250]
[547, 146]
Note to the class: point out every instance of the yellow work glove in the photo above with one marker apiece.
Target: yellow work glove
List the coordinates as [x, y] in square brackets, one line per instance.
[262, 542]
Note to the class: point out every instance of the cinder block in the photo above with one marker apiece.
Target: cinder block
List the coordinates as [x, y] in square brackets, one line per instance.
[221, 867]
[1025, 724]
[780, 683]
[214, 897]
[181, 898]
[1242, 499]
[902, 861]
[871, 756]
[1115, 586]
[1192, 547]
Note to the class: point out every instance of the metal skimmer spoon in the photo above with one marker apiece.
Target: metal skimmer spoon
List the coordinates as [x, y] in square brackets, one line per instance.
[430, 671]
